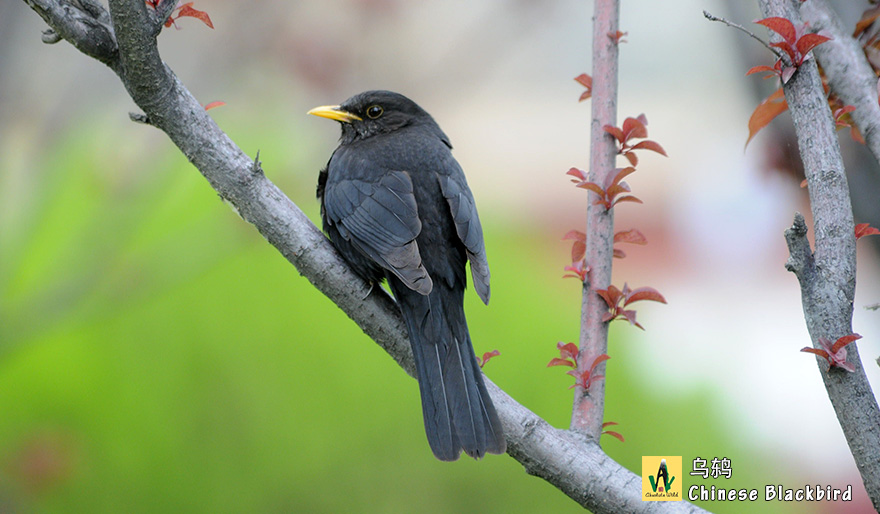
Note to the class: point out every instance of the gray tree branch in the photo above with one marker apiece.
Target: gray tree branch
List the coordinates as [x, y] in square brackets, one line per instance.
[848, 72]
[827, 276]
[568, 461]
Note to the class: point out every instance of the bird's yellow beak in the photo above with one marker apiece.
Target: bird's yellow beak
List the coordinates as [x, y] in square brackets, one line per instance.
[334, 112]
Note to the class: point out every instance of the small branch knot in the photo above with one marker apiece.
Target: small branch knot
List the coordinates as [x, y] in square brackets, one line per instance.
[256, 167]
[800, 255]
[139, 118]
[50, 37]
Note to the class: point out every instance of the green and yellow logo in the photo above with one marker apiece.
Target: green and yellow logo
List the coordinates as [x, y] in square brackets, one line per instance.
[661, 478]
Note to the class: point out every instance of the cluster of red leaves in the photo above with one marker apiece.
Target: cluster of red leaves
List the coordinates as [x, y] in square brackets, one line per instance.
[181, 12]
[568, 355]
[579, 244]
[487, 356]
[586, 81]
[633, 128]
[864, 229]
[797, 46]
[843, 118]
[835, 353]
[795, 43]
[617, 301]
[609, 194]
[611, 432]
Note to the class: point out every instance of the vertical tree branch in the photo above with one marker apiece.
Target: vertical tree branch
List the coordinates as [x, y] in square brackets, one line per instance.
[827, 275]
[588, 410]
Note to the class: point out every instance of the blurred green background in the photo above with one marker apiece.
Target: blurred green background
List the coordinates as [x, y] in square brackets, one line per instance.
[157, 355]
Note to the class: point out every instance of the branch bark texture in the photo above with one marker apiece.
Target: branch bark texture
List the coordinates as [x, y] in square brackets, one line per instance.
[827, 275]
[566, 459]
[848, 72]
[589, 404]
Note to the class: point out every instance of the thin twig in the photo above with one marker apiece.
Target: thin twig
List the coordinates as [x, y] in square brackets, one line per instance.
[711, 17]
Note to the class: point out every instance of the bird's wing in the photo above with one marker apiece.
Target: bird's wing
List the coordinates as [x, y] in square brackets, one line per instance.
[467, 226]
[380, 218]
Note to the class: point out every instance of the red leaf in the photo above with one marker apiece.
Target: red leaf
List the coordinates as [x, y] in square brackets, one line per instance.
[567, 350]
[809, 41]
[631, 317]
[599, 360]
[622, 173]
[609, 424]
[864, 229]
[579, 247]
[632, 158]
[575, 235]
[759, 69]
[867, 20]
[820, 353]
[628, 198]
[843, 341]
[856, 135]
[487, 356]
[634, 128]
[766, 111]
[610, 295]
[577, 270]
[211, 105]
[586, 81]
[578, 173]
[614, 131]
[650, 145]
[614, 434]
[617, 253]
[781, 26]
[592, 187]
[560, 362]
[840, 113]
[187, 10]
[617, 37]
[616, 189]
[789, 50]
[632, 236]
[644, 293]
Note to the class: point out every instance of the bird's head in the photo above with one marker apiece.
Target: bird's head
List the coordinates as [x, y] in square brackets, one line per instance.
[376, 112]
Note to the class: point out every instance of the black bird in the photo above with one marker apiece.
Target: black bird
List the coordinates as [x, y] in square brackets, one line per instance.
[396, 205]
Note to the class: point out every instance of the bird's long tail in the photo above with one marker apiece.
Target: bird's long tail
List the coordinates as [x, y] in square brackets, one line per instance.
[458, 412]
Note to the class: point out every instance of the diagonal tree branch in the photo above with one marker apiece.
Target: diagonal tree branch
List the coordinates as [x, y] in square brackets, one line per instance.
[847, 70]
[827, 276]
[85, 24]
[564, 458]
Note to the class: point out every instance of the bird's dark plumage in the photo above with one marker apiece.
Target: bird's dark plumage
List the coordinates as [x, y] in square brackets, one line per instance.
[396, 205]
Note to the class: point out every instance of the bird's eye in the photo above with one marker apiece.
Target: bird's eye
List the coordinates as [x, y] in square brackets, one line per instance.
[374, 111]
